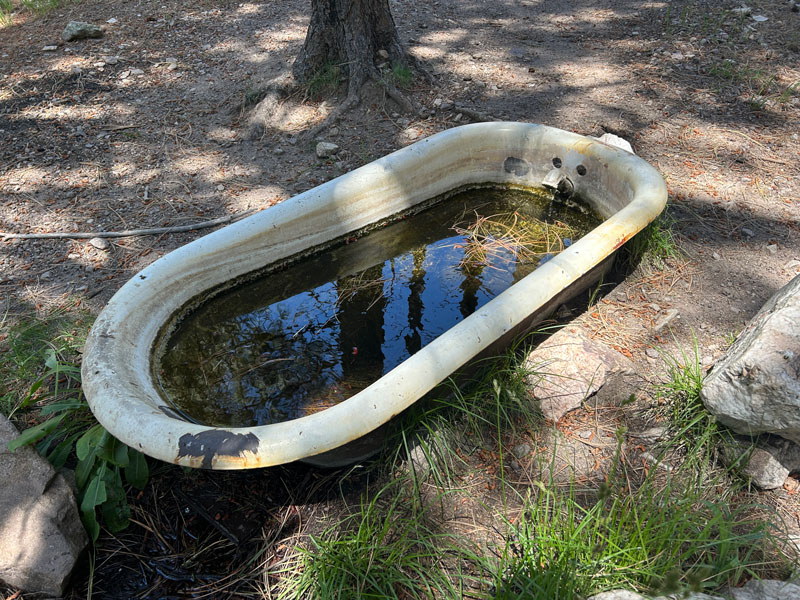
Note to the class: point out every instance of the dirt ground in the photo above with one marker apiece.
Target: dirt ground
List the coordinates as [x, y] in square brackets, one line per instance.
[144, 127]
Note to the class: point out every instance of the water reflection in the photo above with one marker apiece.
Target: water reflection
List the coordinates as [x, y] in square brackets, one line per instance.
[310, 336]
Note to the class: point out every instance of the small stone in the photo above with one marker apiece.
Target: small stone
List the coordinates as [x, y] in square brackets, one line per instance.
[76, 70]
[716, 256]
[110, 60]
[458, 117]
[742, 10]
[771, 248]
[73, 256]
[585, 434]
[80, 30]
[112, 21]
[46, 275]
[278, 151]
[383, 54]
[563, 312]
[651, 353]
[670, 316]
[220, 188]
[98, 243]
[437, 103]
[124, 74]
[172, 66]
[326, 149]
[99, 64]
[49, 48]
[748, 232]
[759, 18]
[522, 450]
[333, 131]
[136, 72]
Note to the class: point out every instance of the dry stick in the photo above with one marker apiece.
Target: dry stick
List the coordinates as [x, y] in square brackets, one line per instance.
[128, 233]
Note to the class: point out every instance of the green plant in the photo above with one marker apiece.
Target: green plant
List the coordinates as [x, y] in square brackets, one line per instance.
[655, 244]
[6, 12]
[402, 75]
[385, 549]
[648, 539]
[67, 432]
[325, 81]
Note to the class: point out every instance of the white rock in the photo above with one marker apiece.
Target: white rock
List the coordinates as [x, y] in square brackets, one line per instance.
[112, 21]
[767, 589]
[49, 48]
[755, 388]
[98, 243]
[41, 535]
[759, 18]
[326, 149]
[616, 141]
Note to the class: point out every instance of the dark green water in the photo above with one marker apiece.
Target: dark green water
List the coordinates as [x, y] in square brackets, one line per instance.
[300, 340]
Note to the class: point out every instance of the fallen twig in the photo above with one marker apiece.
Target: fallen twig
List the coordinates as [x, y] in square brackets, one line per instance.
[119, 234]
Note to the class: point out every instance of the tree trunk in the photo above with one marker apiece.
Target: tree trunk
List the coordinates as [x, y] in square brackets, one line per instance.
[348, 34]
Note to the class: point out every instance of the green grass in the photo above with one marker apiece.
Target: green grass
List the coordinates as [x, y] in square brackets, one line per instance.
[25, 350]
[325, 81]
[385, 549]
[656, 244]
[6, 10]
[402, 75]
[36, 7]
[652, 539]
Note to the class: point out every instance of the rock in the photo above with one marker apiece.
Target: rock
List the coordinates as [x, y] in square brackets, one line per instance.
[522, 450]
[326, 149]
[651, 353]
[755, 387]
[617, 595]
[616, 141]
[765, 589]
[566, 369]
[628, 595]
[666, 319]
[79, 30]
[748, 232]
[383, 54]
[98, 243]
[771, 248]
[49, 48]
[757, 464]
[41, 535]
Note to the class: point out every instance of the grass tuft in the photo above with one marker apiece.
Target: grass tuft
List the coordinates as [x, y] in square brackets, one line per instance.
[384, 549]
[656, 244]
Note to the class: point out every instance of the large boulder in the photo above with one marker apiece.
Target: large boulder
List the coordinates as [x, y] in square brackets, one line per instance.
[41, 535]
[755, 388]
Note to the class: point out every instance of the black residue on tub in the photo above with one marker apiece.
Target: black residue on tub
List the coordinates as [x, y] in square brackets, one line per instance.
[216, 442]
[517, 166]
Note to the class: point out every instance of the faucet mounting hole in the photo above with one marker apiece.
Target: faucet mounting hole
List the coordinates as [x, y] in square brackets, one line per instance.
[557, 162]
[581, 170]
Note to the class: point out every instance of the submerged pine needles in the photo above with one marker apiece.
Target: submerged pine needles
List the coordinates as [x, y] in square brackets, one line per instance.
[497, 240]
